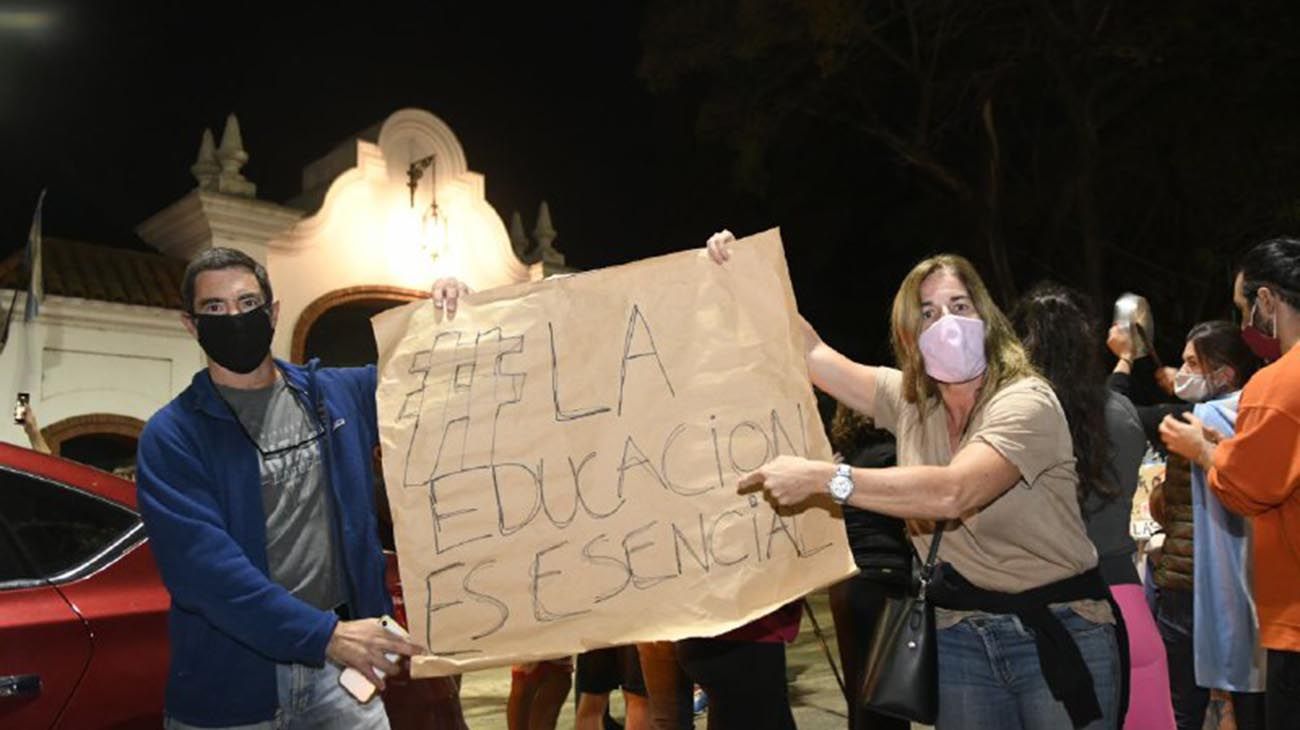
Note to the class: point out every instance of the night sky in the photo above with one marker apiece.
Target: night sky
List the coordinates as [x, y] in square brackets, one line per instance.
[106, 105]
[106, 108]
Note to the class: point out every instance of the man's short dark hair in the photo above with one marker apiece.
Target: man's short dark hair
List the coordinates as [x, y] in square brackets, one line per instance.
[215, 259]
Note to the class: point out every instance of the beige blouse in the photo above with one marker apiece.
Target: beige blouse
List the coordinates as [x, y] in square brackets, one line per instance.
[1032, 534]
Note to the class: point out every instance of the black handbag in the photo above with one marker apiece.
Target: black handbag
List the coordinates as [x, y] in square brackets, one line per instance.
[902, 667]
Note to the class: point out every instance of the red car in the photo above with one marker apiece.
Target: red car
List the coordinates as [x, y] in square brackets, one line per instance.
[83, 613]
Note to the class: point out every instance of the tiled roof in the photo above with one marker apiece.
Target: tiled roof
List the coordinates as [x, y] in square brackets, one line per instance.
[89, 271]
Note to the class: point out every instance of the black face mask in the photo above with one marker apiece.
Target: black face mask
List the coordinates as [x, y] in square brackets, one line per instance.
[236, 342]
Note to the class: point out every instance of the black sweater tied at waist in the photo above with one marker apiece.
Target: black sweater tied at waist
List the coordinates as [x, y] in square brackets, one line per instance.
[1064, 668]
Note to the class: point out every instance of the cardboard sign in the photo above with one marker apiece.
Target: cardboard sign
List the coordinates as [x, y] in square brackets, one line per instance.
[561, 459]
[1150, 476]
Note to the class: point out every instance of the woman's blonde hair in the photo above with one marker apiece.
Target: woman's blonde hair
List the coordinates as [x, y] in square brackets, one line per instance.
[1007, 360]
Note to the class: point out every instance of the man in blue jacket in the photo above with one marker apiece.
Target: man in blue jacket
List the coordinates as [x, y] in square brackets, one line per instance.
[256, 489]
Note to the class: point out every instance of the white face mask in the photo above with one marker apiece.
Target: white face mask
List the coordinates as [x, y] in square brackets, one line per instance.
[1195, 387]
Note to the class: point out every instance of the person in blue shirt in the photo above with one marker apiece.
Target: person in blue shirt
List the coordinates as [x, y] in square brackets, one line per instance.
[256, 490]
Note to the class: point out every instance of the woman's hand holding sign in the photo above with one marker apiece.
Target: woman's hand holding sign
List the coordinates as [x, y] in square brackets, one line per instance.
[719, 246]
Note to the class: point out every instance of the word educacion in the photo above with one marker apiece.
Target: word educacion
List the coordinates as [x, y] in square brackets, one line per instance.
[617, 521]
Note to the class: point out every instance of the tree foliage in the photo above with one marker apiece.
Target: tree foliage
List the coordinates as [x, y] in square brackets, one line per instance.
[1109, 145]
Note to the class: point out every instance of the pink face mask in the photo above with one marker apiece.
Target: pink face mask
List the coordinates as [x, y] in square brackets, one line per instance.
[953, 349]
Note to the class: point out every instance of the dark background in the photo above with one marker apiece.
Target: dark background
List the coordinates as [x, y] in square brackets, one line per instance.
[1108, 145]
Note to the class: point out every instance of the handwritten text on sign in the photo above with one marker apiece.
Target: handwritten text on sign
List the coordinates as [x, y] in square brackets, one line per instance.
[561, 459]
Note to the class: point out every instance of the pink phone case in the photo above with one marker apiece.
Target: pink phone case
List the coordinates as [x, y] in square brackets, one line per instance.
[356, 683]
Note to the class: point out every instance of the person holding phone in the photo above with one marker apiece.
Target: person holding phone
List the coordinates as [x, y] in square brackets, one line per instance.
[256, 489]
[25, 416]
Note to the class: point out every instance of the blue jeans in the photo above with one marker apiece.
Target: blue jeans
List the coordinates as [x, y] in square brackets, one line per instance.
[989, 676]
[311, 697]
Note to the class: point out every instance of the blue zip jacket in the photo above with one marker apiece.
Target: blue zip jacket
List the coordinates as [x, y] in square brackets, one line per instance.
[200, 494]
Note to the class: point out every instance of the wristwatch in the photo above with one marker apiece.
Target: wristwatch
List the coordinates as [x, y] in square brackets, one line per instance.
[841, 485]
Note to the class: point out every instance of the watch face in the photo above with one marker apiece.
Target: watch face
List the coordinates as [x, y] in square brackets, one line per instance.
[841, 487]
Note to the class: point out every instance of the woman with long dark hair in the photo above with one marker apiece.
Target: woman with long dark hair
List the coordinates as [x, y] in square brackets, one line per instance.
[1059, 333]
[1203, 567]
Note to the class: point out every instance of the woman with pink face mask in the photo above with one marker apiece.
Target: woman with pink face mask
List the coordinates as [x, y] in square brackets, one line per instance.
[1027, 629]
[1203, 568]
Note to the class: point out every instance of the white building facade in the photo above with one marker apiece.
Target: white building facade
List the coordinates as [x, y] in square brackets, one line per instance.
[380, 218]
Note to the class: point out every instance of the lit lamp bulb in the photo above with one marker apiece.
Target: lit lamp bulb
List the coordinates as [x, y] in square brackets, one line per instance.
[433, 232]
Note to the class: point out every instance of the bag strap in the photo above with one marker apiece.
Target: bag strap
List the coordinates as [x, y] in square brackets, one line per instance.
[927, 568]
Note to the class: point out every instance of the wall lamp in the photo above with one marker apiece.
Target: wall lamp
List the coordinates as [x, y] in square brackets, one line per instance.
[415, 172]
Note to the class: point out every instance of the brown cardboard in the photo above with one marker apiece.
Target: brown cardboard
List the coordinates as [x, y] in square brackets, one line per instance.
[653, 386]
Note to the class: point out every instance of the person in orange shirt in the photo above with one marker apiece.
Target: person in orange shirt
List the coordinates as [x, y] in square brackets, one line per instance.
[1257, 472]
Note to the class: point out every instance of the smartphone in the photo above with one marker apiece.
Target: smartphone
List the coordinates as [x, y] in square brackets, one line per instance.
[20, 408]
[356, 683]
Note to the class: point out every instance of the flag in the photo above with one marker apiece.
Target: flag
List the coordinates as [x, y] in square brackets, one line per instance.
[36, 289]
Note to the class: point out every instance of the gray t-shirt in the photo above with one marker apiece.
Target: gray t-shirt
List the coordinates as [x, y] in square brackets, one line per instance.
[1108, 522]
[300, 543]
